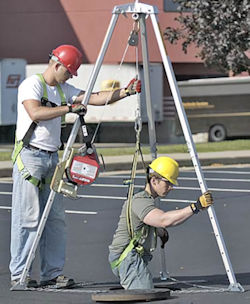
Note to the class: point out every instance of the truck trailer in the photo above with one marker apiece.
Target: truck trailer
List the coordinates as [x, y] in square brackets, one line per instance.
[217, 106]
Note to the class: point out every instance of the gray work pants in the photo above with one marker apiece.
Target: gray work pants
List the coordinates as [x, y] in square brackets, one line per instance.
[133, 272]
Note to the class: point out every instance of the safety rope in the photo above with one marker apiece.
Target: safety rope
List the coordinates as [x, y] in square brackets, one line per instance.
[133, 40]
[111, 91]
[133, 33]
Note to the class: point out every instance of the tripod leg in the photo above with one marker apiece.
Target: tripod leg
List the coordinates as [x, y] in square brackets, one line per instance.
[163, 273]
[151, 123]
[234, 286]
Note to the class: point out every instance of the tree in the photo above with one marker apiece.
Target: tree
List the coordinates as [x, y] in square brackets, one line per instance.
[220, 29]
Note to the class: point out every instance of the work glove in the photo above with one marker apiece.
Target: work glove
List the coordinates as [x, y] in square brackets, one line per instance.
[79, 109]
[133, 87]
[162, 233]
[204, 201]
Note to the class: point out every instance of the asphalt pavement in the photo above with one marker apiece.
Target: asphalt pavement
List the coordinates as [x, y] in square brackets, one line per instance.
[193, 260]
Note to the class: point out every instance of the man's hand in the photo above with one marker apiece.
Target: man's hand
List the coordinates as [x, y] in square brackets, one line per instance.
[133, 87]
[79, 109]
[162, 233]
[204, 201]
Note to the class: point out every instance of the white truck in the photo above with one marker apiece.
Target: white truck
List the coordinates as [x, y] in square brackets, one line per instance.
[218, 106]
[12, 72]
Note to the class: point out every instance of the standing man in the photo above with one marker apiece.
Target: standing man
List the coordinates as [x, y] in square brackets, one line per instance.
[43, 100]
[141, 221]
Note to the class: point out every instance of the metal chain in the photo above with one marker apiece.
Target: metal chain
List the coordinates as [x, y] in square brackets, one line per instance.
[90, 288]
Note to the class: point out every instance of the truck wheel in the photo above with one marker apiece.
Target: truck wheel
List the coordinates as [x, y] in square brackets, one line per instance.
[217, 133]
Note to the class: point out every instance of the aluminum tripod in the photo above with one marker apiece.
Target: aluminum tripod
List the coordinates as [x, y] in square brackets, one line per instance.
[142, 10]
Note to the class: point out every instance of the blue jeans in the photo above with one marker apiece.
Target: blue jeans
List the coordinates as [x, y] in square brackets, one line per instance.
[28, 202]
[133, 271]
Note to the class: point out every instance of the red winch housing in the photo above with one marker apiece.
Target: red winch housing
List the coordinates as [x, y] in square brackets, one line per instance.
[84, 169]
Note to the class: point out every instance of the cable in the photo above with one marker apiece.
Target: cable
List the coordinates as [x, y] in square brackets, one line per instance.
[106, 102]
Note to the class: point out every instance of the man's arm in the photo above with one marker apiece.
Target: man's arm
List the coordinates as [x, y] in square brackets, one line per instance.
[100, 98]
[37, 112]
[159, 218]
[103, 97]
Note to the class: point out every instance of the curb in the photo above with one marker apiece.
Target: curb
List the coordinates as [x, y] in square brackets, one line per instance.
[112, 164]
[182, 163]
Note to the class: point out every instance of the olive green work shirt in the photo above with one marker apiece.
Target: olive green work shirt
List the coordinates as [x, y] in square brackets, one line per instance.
[142, 204]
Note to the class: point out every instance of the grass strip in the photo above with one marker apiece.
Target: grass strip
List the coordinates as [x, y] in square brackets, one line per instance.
[227, 145]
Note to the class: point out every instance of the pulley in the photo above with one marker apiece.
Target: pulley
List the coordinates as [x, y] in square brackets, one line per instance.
[133, 37]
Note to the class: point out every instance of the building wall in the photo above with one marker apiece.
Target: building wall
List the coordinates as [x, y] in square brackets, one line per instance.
[30, 29]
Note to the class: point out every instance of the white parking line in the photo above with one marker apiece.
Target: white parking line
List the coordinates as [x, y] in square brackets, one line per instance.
[124, 198]
[185, 172]
[102, 197]
[80, 212]
[141, 186]
[218, 179]
[66, 211]
[227, 172]
[193, 178]
[175, 188]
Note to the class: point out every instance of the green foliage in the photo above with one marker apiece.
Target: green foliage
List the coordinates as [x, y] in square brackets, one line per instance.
[219, 28]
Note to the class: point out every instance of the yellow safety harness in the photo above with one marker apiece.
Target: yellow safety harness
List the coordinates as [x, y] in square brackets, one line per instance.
[16, 157]
[135, 237]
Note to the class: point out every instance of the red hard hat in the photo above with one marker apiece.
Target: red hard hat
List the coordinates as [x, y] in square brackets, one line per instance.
[69, 56]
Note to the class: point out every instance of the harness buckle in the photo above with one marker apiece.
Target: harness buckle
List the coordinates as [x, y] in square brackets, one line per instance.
[139, 249]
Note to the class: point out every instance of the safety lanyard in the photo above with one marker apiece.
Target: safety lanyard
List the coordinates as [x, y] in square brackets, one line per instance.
[133, 41]
[86, 137]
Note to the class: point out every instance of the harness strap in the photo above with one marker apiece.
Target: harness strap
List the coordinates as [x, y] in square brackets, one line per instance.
[27, 176]
[63, 103]
[22, 143]
[132, 244]
[26, 139]
[62, 96]
[135, 237]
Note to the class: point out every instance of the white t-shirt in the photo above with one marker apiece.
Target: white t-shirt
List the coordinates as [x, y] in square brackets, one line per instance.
[47, 133]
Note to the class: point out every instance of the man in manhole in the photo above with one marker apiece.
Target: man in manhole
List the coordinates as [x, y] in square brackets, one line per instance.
[141, 222]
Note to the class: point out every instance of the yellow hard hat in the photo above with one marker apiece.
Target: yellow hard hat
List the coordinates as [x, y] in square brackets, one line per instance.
[167, 168]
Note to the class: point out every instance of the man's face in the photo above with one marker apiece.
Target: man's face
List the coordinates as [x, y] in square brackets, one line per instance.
[162, 186]
[62, 74]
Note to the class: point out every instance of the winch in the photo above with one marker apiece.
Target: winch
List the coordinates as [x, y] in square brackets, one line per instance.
[84, 168]
[80, 168]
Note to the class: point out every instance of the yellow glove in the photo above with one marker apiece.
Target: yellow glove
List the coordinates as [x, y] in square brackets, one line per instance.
[204, 201]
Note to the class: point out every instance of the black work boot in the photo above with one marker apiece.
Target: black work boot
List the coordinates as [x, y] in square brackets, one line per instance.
[59, 282]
